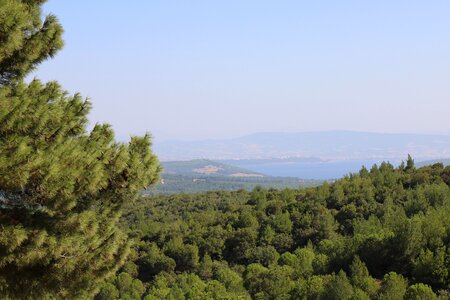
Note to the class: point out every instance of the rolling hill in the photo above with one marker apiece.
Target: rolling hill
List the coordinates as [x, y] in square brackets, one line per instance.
[202, 175]
[444, 161]
[198, 167]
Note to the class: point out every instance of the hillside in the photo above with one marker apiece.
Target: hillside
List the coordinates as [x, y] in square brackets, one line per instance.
[444, 161]
[205, 175]
[205, 167]
[383, 233]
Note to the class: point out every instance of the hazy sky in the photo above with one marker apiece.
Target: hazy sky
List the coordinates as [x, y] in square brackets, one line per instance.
[215, 69]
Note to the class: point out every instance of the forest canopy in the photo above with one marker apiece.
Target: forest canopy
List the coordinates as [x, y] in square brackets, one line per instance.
[383, 233]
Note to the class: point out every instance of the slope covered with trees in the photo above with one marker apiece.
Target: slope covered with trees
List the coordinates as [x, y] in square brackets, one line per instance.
[62, 188]
[381, 234]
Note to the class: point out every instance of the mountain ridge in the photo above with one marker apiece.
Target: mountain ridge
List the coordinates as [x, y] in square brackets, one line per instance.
[327, 145]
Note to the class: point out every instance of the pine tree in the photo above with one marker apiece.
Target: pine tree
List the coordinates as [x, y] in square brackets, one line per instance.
[25, 40]
[61, 188]
[409, 163]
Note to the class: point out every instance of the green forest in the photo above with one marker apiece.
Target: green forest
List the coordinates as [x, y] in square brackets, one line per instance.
[381, 234]
[75, 225]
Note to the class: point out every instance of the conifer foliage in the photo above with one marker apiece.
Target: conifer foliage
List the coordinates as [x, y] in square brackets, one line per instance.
[25, 40]
[61, 187]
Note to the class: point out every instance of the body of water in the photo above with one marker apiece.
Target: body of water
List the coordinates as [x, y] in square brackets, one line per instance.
[310, 170]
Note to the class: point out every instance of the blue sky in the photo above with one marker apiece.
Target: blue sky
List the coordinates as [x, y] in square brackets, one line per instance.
[218, 69]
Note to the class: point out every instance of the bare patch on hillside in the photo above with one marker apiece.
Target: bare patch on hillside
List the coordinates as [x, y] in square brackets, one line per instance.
[209, 169]
[245, 175]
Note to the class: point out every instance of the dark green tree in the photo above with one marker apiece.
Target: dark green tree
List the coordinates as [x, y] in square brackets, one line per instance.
[420, 291]
[338, 287]
[107, 292]
[61, 188]
[268, 283]
[409, 163]
[361, 278]
[394, 287]
[432, 268]
[25, 39]
[129, 288]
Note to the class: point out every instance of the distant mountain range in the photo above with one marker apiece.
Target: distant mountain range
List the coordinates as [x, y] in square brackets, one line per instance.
[326, 146]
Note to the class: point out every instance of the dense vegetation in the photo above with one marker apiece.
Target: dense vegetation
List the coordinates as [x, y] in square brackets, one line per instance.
[381, 234]
[62, 188]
